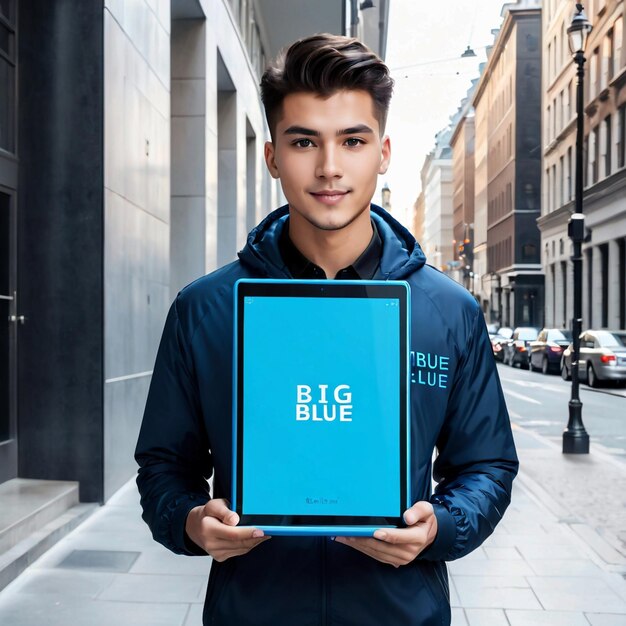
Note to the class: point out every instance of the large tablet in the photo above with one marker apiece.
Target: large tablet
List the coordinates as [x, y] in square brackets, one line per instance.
[320, 419]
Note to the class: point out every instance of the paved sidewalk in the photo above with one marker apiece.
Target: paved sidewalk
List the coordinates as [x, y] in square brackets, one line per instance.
[541, 566]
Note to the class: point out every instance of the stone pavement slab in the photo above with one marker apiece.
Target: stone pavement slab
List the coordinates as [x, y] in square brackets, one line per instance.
[551, 618]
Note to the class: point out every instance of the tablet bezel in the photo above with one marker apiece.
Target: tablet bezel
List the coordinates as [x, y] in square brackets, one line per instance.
[324, 524]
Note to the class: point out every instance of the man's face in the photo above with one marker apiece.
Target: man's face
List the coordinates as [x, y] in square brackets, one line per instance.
[328, 153]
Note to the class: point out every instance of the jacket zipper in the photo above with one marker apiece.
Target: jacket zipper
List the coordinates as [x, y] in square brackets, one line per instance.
[324, 616]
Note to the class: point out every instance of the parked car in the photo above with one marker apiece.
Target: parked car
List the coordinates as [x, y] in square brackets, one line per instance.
[497, 342]
[546, 352]
[602, 357]
[516, 349]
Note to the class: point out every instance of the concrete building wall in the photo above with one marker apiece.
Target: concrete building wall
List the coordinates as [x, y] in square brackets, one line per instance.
[184, 177]
[136, 216]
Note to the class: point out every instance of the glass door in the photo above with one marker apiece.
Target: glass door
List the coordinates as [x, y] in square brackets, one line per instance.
[8, 338]
[9, 319]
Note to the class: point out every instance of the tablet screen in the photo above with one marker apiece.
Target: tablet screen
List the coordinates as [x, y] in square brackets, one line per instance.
[321, 405]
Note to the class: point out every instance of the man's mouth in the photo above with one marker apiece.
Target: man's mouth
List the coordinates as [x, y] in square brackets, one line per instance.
[329, 196]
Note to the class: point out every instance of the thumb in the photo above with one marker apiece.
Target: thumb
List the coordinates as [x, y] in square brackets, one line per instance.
[219, 510]
[419, 511]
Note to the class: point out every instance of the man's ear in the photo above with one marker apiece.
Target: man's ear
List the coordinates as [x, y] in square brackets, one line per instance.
[385, 154]
[270, 159]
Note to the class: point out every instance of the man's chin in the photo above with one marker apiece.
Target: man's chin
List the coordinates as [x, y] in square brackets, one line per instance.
[333, 224]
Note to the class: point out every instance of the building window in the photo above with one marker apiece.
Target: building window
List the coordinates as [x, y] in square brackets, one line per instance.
[549, 63]
[621, 244]
[606, 146]
[564, 285]
[620, 139]
[549, 129]
[8, 61]
[604, 264]
[589, 262]
[561, 181]
[568, 175]
[554, 186]
[618, 38]
[593, 150]
[593, 74]
[608, 57]
[529, 251]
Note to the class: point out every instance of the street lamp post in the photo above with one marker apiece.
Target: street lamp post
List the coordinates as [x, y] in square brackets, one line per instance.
[575, 437]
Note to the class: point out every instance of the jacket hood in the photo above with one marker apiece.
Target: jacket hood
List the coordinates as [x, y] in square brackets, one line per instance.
[401, 256]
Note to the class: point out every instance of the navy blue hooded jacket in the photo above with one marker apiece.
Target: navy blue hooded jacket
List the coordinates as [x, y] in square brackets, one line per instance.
[456, 406]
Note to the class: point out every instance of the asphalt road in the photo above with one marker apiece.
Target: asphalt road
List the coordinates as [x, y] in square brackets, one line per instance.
[540, 403]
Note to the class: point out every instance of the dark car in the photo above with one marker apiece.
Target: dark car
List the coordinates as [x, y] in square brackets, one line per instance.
[546, 352]
[497, 342]
[516, 349]
[602, 357]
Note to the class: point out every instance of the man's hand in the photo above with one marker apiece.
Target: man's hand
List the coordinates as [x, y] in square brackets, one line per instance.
[399, 546]
[213, 527]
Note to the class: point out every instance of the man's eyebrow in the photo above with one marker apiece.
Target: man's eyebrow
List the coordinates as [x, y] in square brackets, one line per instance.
[309, 132]
[300, 130]
[355, 130]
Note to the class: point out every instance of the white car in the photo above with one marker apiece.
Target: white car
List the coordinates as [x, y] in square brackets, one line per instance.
[602, 357]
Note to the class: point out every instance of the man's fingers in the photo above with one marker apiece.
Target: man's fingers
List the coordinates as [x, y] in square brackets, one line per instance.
[231, 533]
[418, 512]
[221, 550]
[220, 510]
[243, 544]
[385, 553]
[401, 535]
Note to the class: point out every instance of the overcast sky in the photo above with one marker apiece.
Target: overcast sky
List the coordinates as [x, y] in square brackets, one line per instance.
[430, 38]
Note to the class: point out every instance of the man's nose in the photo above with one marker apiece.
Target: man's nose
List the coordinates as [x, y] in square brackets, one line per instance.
[329, 165]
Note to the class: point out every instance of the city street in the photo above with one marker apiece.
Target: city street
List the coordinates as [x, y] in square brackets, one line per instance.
[540, 403]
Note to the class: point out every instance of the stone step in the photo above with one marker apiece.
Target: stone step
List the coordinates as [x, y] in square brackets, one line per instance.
[34, 515]
[26, 505]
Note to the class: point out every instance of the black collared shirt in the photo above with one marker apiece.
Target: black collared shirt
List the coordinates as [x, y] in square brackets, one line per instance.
[364, 268]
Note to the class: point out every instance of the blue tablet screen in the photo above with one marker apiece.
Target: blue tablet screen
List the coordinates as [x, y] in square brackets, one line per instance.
[321, 402]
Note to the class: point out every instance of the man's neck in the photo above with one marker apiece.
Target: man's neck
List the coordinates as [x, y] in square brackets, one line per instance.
[332, 250]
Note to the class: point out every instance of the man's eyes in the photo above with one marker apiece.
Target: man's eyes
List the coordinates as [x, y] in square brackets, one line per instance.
[351, 142]
[302, 143]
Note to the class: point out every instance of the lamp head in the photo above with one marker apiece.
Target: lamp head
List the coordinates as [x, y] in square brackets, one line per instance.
[579, 30]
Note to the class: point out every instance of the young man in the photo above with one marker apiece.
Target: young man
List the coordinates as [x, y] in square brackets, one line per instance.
[326, 104]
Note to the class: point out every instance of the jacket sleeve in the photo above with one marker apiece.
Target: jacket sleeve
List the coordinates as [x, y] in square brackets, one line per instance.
[476, 461]
[173, 449]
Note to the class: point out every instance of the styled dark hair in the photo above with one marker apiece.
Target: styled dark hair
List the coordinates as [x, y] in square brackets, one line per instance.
[324, 64]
